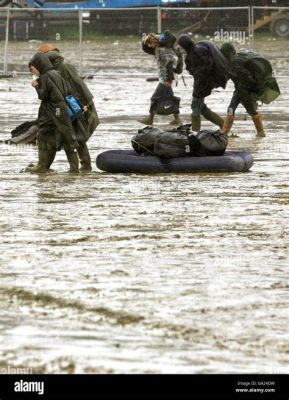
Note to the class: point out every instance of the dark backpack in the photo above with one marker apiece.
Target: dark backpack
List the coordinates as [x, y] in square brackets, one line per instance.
[261, 69]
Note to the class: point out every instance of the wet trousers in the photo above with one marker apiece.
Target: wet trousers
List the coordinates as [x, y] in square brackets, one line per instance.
[249, 105]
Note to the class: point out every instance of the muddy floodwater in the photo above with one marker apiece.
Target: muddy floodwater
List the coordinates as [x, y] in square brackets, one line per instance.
[169, 273]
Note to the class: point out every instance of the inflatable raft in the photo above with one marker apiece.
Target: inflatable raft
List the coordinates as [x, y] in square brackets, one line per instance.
[128, 161]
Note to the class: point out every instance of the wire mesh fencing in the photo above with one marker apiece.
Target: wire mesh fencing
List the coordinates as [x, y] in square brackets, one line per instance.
[81, 33]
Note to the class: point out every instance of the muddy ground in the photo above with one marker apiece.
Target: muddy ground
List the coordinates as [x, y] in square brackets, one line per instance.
[170, 273]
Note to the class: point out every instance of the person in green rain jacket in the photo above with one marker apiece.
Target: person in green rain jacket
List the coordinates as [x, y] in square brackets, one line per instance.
[55, 127]
[86, 125]
[254, 81]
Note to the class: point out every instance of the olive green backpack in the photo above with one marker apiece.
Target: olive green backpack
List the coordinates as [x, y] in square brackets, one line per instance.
[261, 69]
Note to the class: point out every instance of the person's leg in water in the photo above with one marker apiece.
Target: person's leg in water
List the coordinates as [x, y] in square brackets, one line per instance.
[46, 152]
[196, 106]
[67, 140]
[176, 121]
[257, 119]
[83, 132]
[51, 153]
[149, 120]
[84, 157]
[212, 116]
[229, 120]
[72, 159]
[251, 108]
[41, 165]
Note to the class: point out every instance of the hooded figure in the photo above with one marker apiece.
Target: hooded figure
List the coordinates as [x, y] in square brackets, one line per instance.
[55, 128]
[253, 79]
[88, 122]
[170, 62]
[205, 62]
[229, 52]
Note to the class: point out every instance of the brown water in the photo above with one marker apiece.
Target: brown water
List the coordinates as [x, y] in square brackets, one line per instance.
[128, 273]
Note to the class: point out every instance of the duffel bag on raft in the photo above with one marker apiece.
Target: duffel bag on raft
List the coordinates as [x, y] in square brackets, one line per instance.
[208, 143]
[172, 144]
[180, 142]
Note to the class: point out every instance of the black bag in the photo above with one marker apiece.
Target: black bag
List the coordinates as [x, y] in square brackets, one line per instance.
[172, 144]
[24, 133]
[168, 105]
[23, 128]
[143, 142]
[208, 143]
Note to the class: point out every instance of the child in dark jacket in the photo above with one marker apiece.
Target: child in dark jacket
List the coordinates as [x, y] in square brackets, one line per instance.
[169, 61]
[55, 127]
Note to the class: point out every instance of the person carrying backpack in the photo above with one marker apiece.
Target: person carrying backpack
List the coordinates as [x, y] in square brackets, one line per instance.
[89, 119]
[170, 62]
[205, 62]
[254, 81]
[55, 127]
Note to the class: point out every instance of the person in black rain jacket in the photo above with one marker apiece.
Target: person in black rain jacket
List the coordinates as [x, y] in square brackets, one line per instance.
[88, 122]
[205, 62]
[55, 127]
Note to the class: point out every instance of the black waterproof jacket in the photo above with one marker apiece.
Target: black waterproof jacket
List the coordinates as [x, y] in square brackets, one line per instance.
[205, 62]
[52, 113]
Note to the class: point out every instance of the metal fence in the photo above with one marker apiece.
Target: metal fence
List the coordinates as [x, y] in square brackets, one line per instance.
[23, 30]
[273, 21]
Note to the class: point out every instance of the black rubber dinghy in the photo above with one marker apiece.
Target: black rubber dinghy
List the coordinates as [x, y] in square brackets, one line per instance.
[128, 161]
